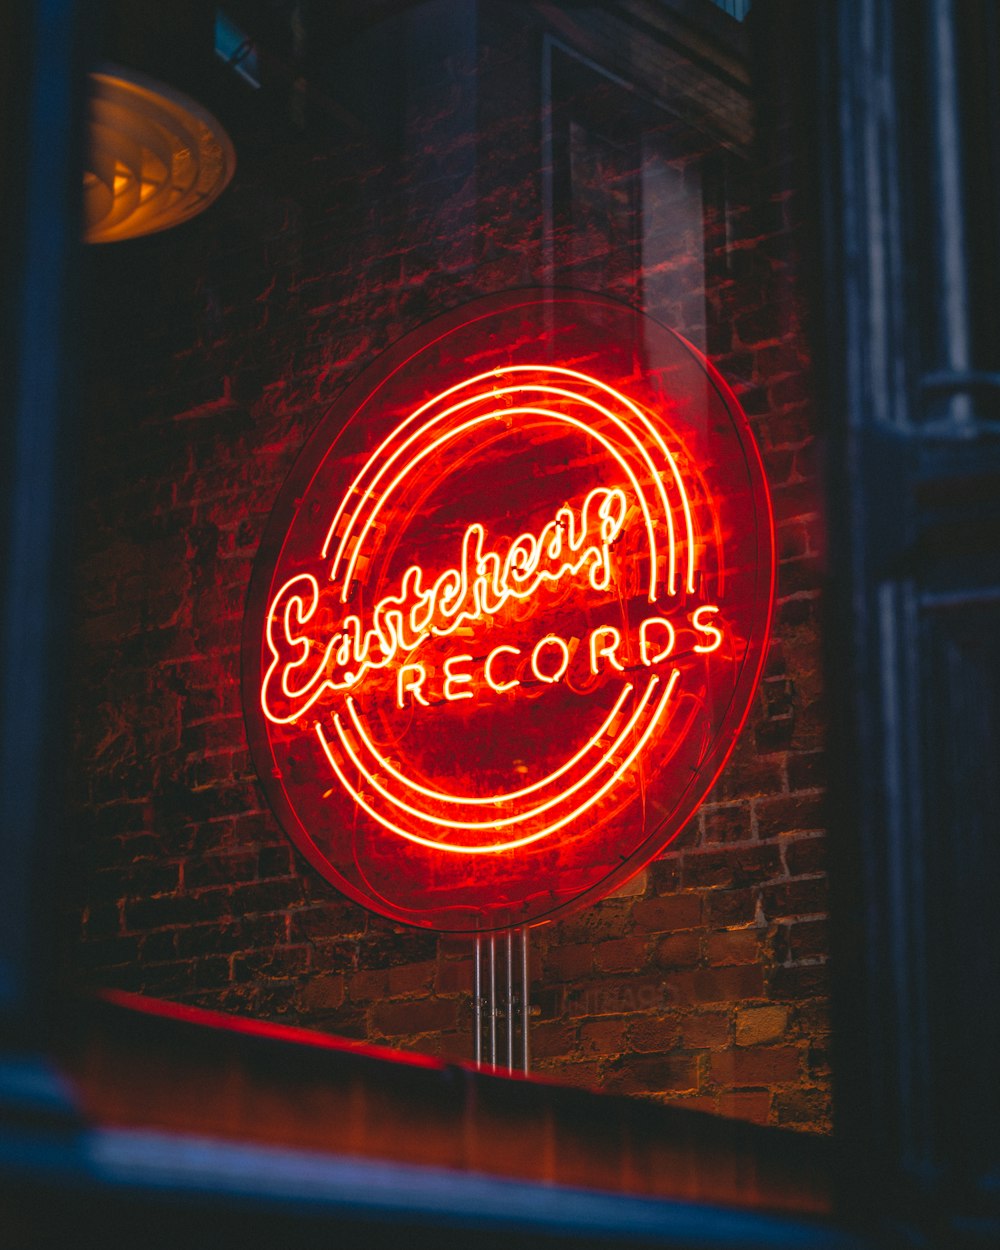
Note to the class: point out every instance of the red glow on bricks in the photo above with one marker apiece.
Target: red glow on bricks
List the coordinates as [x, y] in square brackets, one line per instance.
[509, 613]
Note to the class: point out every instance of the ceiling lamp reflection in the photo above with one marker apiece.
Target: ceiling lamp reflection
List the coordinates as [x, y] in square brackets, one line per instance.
[156, 158]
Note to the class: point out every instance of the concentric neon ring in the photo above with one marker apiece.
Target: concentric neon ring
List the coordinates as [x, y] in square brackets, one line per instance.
[617, 772]
[518, 391]
[397, 443]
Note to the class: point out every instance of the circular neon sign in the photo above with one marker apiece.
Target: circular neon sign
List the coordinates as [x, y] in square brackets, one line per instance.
[509, 612]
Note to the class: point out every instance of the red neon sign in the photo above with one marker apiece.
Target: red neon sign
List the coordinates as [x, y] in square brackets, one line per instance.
[509, 612]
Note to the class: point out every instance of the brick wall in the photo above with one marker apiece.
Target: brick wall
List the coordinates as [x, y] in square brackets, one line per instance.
[211, 352]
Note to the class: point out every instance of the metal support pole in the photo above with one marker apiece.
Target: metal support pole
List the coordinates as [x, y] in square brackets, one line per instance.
[516, 1003]
[492, 1003]
[510, 1001]
[949, 243]
[525, 1006]
[477, 1002]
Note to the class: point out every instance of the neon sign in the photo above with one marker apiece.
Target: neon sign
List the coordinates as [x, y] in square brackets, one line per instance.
[509, 612]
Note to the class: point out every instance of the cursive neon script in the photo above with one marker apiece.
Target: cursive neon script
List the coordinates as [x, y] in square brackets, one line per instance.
[479, 586]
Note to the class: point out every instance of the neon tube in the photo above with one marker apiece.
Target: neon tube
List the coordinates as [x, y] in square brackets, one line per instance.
[529, 838]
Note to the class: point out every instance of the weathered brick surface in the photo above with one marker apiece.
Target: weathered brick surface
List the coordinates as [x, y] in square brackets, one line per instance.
[214, 351]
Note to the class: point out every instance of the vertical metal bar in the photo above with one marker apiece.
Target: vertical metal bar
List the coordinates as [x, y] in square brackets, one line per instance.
[525, 1005]
[41, 112]
[510, 1001]
[948, 203]
[477, 1001]
[491, 1006]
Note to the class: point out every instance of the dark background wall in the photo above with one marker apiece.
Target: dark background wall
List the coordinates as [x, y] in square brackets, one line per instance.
[388, 172]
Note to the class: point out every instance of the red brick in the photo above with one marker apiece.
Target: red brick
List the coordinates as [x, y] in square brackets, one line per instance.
[792, 540]
[718, 985]
[762, 325]
[411, 978]
[780, 360]
[550, 1038]
[778, 466]
[158, 947]
[802, 897]
[337, 955]
[176, 909]
[102, 919]
[568, 962]
[806, 462]
[799, 981]
[679, 950]
[807, 771]
[265, 896]
[811, 1020]
[213, 972]
[386, 947]
[323, 993]
[791, 813]
[745, 1105]
[793, 501]
[726, 824]
[665, 874]
[798, 617]
[369, 984]
[665, 915]
[746, 774]
[160, 980]
[275, 861]
[605, 1036]
[707, 1103]
[798, 576]
[614, 996]
[803, 1108]
[454, 976]
[239, 935]
[428, 1015]
[271, 961]
[601, 923]
[807, 938]
[622, 955]
[450, 947]
[774, 735]
[706, 1030]
[649, 1074]
[778, 693]
[141, 880]
[733, 867]
[818, 1063]
[735, 946]
[120, 950]
[331, 920]
[789, 391]
[757, 1066]
[730, 907]
[654, 1033]
[760, 1024]
[806, 855]
[586, 1074]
